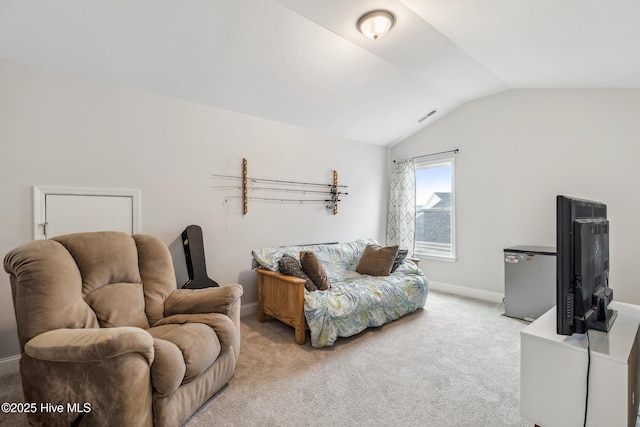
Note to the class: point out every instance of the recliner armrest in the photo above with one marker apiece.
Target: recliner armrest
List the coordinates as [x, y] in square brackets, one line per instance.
[90, 345]
[206, 300]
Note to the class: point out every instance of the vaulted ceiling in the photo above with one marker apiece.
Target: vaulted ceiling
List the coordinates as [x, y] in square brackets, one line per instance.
[304, 63]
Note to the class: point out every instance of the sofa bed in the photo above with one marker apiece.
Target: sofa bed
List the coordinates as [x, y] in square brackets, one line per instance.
[353, 286]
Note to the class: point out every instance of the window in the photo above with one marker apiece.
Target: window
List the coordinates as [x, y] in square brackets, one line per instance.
[435, 208]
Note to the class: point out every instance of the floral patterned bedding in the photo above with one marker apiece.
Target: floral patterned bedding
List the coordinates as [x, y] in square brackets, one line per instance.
[355, 301]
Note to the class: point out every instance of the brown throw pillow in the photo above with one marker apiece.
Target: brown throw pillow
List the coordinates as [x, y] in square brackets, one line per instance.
[377, 260]
[291, 267]
[312, 266]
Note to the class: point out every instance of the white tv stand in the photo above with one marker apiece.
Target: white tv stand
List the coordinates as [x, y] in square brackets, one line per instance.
[553, 372]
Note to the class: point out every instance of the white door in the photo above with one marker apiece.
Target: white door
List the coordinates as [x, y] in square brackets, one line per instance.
[59, 210]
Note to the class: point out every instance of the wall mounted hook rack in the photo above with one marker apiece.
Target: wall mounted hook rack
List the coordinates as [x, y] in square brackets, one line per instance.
[249, 185]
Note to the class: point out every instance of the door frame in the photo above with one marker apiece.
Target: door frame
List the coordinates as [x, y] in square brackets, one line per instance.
[39, 204]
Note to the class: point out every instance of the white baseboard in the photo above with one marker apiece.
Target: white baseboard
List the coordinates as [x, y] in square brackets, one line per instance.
[249, 309]
[10, 365]
[467, 292]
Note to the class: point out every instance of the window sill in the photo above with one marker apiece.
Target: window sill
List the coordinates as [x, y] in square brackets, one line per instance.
[446, 258]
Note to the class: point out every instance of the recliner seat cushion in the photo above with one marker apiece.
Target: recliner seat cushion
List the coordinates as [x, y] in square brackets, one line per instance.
[223, 326]
[197, 342]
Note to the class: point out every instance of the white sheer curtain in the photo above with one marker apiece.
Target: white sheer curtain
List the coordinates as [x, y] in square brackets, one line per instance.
[401, 222]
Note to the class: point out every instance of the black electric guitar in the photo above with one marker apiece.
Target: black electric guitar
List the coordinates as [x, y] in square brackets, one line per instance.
[194, 254]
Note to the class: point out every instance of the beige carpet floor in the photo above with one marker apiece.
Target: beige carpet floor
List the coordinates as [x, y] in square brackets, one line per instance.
[454, 363]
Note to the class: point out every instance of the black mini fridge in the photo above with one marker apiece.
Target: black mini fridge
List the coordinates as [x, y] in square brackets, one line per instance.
[529, 281]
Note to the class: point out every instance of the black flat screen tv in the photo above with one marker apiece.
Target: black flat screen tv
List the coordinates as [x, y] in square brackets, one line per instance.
[582, 267]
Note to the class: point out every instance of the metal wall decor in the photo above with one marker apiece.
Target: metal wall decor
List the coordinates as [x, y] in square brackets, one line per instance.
[301, 192]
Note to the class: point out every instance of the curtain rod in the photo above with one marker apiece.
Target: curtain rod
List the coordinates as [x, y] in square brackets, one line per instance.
[454, 151]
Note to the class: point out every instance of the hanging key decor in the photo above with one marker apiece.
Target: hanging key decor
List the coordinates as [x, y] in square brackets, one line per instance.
[300, 192]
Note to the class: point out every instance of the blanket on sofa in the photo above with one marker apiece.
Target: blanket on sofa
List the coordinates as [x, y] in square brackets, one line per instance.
[355, 301]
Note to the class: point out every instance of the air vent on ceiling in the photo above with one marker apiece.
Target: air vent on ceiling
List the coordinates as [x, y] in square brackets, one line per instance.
[426, 116]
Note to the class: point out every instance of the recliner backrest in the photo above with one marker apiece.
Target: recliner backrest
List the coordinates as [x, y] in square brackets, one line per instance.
[111, 283]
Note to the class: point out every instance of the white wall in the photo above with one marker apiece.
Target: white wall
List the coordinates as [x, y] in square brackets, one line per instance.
[59, 130]
[518, 150]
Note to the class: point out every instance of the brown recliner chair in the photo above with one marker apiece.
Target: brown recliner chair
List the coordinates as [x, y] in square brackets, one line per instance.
[105, 333]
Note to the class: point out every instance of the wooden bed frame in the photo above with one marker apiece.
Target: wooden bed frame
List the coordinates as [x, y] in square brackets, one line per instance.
[282, 297]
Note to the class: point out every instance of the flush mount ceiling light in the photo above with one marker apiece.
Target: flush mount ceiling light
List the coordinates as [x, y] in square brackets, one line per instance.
[376, 23]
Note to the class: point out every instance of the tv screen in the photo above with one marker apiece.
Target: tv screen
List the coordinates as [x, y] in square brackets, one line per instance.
[582, 273]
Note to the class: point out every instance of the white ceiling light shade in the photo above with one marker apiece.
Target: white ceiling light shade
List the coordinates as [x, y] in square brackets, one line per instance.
[376, 23]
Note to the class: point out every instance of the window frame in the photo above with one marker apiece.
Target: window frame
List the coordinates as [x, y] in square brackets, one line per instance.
[435, 250]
